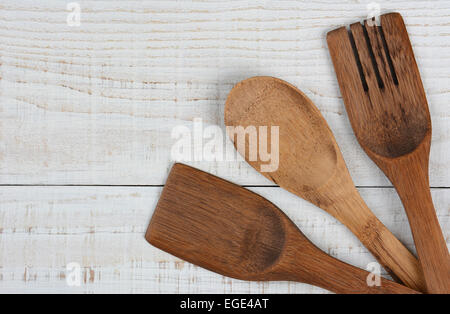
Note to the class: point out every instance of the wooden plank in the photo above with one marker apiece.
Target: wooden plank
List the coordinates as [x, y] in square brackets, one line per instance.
[42, 229]
[97, 104]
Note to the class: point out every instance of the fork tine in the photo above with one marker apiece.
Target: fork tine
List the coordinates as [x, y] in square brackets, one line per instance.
[368, 63]
[350, 77]
[390, 92]
[402, 56]
[383, 60]
[409, 80]
[344, 61]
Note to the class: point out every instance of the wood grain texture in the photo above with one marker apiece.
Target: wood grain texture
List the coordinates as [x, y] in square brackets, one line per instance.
[311, 165]
[388, 110]
[102, 228]
[97, 104]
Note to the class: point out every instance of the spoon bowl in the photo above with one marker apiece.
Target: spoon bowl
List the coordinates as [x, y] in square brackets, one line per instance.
[304, 133]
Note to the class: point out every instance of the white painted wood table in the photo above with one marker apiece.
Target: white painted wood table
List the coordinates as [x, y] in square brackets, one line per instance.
[86, 115]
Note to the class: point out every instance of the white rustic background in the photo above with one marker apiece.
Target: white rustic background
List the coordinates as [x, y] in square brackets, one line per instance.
[86, 115]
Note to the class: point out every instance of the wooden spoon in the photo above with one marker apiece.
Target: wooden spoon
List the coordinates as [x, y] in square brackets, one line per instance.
[386, 103]
[312, 167]
[229, 230]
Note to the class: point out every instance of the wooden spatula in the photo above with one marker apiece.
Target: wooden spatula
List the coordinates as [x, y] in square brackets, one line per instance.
[386, 103]
[229, 230]
[312, 167]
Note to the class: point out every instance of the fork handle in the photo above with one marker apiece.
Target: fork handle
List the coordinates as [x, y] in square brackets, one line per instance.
[410, 178]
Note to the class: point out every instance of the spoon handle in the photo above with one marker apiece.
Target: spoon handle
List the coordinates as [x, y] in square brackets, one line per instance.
[410, 178]
[395, 258]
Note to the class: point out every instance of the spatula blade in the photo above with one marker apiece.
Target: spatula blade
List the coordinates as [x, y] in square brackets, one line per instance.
[229, 230]
[216, 224]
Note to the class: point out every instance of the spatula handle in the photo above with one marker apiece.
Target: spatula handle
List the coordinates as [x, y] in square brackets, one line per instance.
[410, 178]
[395, 258]
[342, 278]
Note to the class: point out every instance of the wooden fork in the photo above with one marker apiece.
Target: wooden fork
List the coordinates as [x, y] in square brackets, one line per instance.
[387, 107]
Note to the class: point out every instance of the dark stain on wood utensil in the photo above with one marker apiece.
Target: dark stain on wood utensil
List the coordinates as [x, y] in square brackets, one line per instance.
[229, 230]
[392, 123]
[312, 167]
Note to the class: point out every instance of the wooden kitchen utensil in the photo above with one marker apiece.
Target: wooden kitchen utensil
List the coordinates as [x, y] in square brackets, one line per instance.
[386, 103]
[232, 231]
[312, 167]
